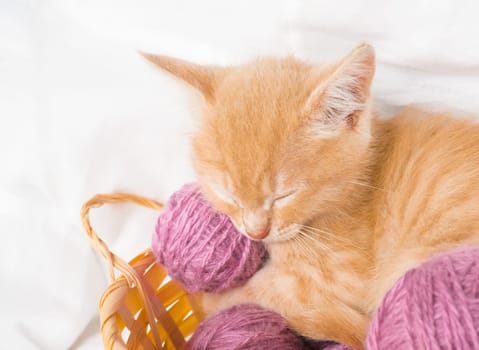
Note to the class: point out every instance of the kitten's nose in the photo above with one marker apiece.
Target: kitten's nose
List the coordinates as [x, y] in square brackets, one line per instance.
[258, 234]
[256, 223]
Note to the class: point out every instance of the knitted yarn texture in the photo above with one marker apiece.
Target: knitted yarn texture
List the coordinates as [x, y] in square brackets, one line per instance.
[200, 247]
[244, 327]
[434, 306]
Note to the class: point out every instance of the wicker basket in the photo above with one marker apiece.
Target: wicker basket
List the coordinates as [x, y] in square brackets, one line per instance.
[142, 308]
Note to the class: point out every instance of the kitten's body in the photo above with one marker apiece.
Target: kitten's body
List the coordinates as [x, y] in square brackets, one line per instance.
[422, 198]
[376, 197]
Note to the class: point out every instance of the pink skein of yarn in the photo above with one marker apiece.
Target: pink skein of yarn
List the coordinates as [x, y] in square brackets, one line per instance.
[200, 247]
[434, 306]
[245, 327]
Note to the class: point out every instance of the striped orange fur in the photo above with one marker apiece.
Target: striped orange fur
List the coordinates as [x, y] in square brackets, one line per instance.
[346, 202]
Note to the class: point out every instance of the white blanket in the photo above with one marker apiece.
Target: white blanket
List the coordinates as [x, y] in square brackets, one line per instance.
[81, 113]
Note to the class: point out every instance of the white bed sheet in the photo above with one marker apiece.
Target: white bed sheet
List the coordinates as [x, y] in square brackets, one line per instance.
[81, 113]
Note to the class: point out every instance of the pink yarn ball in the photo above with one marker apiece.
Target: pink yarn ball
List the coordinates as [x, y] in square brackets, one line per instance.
[435, 306]
[200, 247]
[245, 327]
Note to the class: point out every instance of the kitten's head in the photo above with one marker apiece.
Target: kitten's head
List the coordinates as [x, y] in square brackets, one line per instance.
[280, 141]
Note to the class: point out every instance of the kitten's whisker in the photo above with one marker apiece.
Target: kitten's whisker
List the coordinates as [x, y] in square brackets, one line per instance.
[289, 234]
[315, 241]
[312, 247]
[304, 247]
[307, 235]
[334, 237]
[339, 239]
[307, 249]
[331, 254]
[367, 185]
[312, 253]
[315, 229]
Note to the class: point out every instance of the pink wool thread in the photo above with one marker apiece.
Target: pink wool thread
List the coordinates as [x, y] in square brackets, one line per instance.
[244, 327]
[435, 306]
[200, 247]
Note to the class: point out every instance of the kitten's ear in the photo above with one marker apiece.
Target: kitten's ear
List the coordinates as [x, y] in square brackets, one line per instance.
[339, 100]
[203, 78]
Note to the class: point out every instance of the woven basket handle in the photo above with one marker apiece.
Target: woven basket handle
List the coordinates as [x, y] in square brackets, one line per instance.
[113, 260]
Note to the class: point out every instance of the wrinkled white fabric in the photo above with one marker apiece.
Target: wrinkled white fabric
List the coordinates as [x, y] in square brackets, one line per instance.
[82, 113]
[426, 50]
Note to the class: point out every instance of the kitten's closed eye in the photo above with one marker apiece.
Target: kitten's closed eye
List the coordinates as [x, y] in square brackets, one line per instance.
[283, 199]
[274, 200]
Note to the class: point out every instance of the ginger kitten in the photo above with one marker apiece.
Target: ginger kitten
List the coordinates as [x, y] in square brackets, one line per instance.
[345, 202]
